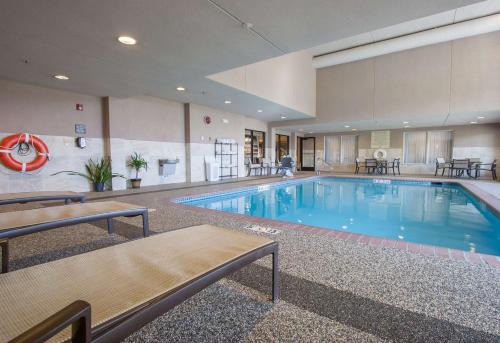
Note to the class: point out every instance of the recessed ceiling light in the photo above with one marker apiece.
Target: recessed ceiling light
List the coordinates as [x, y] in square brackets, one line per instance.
[405, 122]
[473, 122]
[181, 89]
[260, 111]
[311, 132]
[227, 101]
[61, 77]
[127, 40]
[283, 117]
[407, 126]
[347, 126]
[480, 117]
[354, 129]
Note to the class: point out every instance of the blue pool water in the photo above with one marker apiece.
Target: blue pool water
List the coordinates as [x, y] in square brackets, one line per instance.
[419, 212]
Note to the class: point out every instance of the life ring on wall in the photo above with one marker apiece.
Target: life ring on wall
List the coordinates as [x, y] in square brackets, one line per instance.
[380, 154]
[9, 143]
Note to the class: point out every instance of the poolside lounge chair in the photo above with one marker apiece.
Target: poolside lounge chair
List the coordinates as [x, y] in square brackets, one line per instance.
[441, 164]
[126, 285]
[24, 197]
[20, 223]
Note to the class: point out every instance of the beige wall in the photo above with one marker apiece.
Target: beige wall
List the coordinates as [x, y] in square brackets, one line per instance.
[288, 80]
[443, 84]
[51, 115]
[203, 136]
[44, 111]
[146, 118]
[151, 127]
[469, 141]
[463, 136]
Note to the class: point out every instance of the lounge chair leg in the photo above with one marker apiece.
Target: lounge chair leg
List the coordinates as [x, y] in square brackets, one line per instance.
[145, 224]
[276, 277]
[110, 225]
[5, 255]
[66, 201]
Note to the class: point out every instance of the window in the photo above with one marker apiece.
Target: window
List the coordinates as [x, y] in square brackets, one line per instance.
[255, 146]
[282, 146]
[439, 145]
[348, 149]
[426, 146]
[341, 149]
[414, 146]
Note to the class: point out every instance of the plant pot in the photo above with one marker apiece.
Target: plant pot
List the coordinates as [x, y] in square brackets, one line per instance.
[136, 183]
[99, 187]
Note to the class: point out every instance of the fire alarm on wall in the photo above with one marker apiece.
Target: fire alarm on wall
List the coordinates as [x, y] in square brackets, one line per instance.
[79, 107]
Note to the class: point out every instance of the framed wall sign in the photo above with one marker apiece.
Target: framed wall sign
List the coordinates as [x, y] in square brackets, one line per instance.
[380, 139]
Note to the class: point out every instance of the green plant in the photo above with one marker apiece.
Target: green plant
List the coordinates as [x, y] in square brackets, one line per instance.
[96, 172]
[137, 162]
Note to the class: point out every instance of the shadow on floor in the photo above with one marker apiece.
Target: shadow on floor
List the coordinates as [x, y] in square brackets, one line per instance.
[377, 318]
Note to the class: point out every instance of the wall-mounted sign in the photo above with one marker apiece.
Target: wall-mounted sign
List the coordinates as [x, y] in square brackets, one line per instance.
[79, 107]
[380, 139]
[80, 129]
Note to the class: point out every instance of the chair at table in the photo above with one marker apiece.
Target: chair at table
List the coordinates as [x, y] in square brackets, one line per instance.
[487, 167]
[371, 165]
[253, 166]
[359, 164]
[459, 167]
[394, 165]
[441, 164]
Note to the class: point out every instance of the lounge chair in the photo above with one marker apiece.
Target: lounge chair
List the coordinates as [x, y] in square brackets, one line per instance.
[126, 285]
[20, 223]
[24, 197]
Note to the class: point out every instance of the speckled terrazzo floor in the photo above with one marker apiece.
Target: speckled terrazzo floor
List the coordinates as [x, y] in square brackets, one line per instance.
[333, 290]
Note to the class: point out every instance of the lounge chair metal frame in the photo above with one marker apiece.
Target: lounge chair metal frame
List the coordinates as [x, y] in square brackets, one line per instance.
[48, 197]
[77, 314]
[26, 230]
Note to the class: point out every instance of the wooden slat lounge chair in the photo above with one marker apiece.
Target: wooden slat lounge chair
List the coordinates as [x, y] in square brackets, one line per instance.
[24, 197]
[20, 223]
[126, 285]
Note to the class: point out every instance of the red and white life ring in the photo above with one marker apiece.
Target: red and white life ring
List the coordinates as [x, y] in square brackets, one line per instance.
[10, 142]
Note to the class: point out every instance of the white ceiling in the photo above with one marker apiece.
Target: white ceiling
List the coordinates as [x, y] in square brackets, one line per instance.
[179, 42]
[425, 23]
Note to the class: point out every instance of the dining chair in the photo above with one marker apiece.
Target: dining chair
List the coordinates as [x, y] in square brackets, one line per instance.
[459, 167]
[394, 165]
[487, 167]
[441, 164]
[371, 165]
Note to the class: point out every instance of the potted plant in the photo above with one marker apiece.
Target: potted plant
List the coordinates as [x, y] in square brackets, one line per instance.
[99, 173]
[137, 162]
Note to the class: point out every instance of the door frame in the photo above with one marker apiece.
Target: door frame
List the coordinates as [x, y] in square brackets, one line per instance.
[301, 152]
